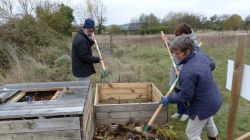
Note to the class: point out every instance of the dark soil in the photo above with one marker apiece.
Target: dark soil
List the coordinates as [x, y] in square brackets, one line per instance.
[38, 96]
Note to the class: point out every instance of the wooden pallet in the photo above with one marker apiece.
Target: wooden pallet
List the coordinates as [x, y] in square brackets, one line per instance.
[63, 117]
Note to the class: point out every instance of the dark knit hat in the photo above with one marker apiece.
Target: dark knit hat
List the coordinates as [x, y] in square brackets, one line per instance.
[89, 23]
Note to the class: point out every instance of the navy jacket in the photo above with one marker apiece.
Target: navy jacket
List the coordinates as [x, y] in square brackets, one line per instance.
[81, 55]
[197, 86]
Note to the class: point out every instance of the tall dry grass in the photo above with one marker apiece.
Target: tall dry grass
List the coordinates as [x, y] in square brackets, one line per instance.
[50, 64]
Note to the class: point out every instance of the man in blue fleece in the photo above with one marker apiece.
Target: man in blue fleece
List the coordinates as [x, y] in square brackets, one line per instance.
[197, 87]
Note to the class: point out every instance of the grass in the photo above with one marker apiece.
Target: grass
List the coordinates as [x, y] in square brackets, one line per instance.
[146, 63]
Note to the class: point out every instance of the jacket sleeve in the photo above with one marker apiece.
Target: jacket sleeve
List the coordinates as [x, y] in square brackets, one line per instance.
[82, 51]
[187, 84]
[209, 61]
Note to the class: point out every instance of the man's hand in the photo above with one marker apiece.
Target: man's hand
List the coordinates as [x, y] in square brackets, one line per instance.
[164, 100]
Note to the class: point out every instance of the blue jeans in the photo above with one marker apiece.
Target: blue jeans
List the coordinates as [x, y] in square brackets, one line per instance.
[182, 108]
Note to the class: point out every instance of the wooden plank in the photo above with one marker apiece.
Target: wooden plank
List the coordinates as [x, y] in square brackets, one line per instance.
[123, 85]
[127, 114]
[159, 120]
[244, 137]
[88, 117]
[150, 91]
[17, 97]
[50, 135]
[123, 96]
[78, 94]
[156, 98]
[47, 85]
[39, 125]
[87, 113]
[6, 94]
[127, 107]
[41, 112]
[60, 93]
[124, 91]
[97, 94]
[33, 106]
[42, 104]
[156, 94]
[124, 101]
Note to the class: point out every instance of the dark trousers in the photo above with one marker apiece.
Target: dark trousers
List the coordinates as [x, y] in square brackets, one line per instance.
[182, 108]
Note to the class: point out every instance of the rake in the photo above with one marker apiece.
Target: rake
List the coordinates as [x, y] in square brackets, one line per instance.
[148, 126]
[158, 110]
[105, 73]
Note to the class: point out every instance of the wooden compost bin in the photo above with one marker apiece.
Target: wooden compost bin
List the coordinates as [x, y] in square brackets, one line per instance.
[121, 103]
[68, 116]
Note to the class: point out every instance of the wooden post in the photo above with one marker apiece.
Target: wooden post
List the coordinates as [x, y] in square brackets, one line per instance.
[111, 41]
[236, 85]
[221, 45]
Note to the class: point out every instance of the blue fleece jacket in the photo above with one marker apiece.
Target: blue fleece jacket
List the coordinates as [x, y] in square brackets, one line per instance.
[197, 86]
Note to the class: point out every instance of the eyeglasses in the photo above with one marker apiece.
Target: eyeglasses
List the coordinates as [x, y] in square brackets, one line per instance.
[178, 53]
[90, 30]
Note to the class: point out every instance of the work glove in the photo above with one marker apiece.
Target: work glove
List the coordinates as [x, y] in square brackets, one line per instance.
[105, 74]
[164, 100]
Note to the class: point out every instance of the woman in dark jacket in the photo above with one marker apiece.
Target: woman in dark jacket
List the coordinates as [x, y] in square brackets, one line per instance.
[182, 108]
[197, 87]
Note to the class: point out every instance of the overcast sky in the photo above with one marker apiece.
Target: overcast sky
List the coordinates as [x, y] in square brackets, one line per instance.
[122, 11]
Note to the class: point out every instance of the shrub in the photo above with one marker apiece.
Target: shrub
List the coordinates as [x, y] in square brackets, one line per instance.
[64, 60]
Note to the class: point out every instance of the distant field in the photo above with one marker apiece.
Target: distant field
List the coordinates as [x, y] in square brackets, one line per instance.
[143, 58]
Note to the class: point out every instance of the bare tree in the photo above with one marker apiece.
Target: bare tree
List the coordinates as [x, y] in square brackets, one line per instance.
[10, 9]
[26, 6]
[99, 11]
[90, 9]
[6, 10]
[95, 9]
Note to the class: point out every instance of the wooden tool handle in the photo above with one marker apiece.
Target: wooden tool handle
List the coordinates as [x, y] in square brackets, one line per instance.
[169, 52]
[161, 105]
[102, 63]
[158, 110]
[99, 53]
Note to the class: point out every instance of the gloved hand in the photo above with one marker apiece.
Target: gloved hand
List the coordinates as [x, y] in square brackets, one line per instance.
[105, 74]
[164, 101]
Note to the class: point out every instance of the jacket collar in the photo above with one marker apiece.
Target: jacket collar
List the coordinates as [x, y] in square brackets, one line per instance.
[187, 58]
[85, 36]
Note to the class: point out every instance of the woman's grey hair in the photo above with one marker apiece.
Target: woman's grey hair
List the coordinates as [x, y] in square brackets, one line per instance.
[183, 42]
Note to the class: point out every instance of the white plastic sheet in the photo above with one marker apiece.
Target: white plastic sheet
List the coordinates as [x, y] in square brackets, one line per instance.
[245, 84]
